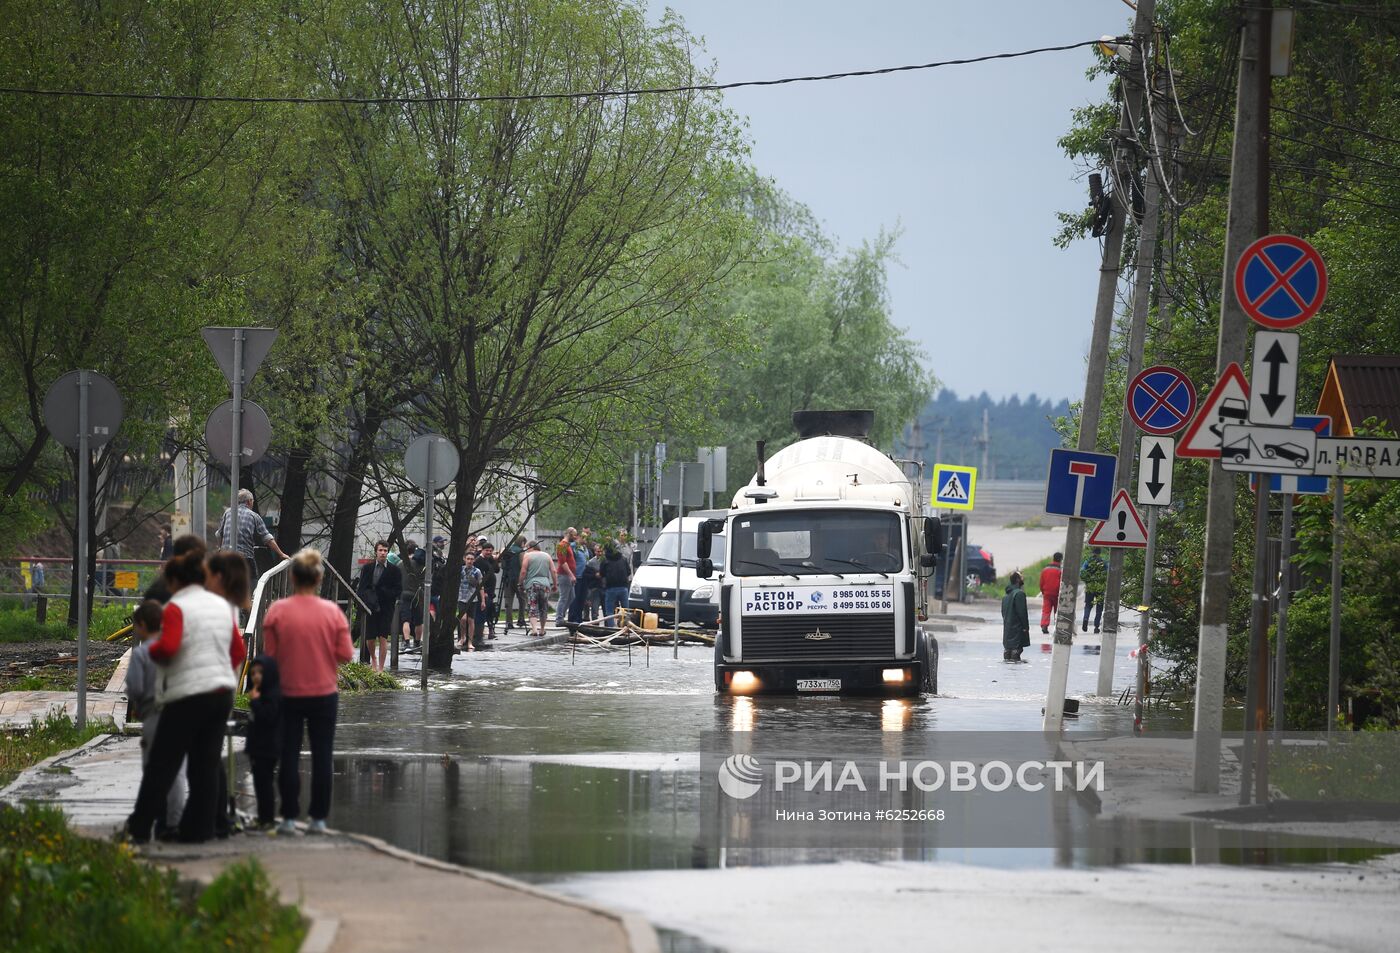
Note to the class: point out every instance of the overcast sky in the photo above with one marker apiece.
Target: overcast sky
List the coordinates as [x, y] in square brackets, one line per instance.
[963, 158]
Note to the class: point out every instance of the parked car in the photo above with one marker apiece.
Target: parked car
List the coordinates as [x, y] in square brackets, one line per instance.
[981, 564]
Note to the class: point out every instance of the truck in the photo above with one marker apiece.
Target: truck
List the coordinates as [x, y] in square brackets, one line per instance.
[827, 555]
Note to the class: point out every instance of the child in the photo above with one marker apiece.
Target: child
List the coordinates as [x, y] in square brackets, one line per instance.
[141, 678]
[265, 735]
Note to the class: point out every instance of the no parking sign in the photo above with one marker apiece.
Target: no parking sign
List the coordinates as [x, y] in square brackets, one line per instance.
[1280, 281]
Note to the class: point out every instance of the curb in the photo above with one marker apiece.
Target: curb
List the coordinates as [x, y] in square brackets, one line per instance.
[321, 928]
[641, 937]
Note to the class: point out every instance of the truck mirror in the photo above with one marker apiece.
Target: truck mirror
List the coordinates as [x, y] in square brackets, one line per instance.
[704, 568]
[928, 561]
[933, 534]
[707, 530]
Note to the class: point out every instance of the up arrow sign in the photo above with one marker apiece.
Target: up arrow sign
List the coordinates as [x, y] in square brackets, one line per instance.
[1155, 457]
[1274, 383]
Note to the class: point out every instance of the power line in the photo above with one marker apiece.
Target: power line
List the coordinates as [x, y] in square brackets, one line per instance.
[520, 97]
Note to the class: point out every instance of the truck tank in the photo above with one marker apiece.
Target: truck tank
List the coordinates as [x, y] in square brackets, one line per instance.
[832, 468]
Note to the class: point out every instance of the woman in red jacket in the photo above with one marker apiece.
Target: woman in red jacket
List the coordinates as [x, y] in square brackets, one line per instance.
[309, 637]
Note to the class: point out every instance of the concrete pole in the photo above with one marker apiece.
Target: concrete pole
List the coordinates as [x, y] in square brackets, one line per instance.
[1137, 340]
[1091, 409]
[1246, 222]
[427, 641]
[680, 548]
[1334, 642]
[1256, 705]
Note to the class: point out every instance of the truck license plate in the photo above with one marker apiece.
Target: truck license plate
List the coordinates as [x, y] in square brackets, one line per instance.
[663, 604]
[819, 684]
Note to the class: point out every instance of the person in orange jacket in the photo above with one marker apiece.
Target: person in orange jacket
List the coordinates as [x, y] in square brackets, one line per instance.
[1050, 592]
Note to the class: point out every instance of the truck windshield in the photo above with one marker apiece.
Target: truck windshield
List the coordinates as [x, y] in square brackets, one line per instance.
[813, 542]
[664, 552]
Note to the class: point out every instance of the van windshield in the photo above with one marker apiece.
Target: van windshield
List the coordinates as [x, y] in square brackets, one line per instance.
[664, 552]
[812, 542]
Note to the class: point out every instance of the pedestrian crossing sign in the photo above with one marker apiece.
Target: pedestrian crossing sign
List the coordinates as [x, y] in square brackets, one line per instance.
[954, 487]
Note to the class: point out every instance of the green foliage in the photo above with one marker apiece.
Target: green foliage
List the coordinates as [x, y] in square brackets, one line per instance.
[1335, 143]
[356, 677]
[1363, 766]
[63, 891]
[43, 739]
[18, 624]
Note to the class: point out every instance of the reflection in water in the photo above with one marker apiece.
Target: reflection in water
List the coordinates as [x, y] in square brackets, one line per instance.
[460, 772]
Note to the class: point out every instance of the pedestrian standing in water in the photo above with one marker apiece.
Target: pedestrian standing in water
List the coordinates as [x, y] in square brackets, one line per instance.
[1094, 572]
[310, 638]
[1015, 623]
[1050, 592]
[536, 580]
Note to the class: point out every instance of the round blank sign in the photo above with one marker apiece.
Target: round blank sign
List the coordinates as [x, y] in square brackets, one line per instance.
[257, 433]
[445, 461]
[105, 409]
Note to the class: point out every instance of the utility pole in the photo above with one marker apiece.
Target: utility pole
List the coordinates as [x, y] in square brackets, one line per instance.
[1248, 218]
[1156, 164]
[1092, 407]
[985, 442]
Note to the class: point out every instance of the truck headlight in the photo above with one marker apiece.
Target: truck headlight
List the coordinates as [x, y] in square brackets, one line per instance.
[703, 592]
[636, 590]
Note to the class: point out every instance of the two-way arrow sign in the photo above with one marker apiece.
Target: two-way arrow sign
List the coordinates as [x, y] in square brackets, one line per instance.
[1155, 455]
[1274, 383]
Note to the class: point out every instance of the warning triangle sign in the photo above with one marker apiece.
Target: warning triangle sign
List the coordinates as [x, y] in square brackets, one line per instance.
[1123, 526]
[953, 489]
[1227, 403]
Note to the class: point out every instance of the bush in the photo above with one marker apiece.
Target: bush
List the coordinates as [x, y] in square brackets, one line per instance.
[355, 677]
[66, 892]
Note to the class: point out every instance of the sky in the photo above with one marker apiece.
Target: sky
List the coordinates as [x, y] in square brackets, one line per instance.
[962, 159]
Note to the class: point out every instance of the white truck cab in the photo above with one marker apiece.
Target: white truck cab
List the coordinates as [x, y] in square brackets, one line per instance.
[827, 557]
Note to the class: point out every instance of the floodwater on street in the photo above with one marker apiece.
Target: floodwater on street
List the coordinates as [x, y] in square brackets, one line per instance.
[551, 763]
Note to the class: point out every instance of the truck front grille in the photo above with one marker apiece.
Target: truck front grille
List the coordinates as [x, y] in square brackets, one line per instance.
[854, 637]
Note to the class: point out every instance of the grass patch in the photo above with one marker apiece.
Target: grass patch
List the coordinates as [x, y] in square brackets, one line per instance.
[64, 677]
[43, 739]
[63, 891]
[356, 677]
[1358, 766]
[18, 624]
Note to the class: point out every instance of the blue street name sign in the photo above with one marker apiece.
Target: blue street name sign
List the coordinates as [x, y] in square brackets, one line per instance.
[1080, 484]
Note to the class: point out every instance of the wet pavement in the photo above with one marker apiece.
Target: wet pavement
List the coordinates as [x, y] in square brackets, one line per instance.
[550, 763]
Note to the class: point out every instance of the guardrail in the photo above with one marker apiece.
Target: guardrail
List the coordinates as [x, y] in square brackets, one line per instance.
[276, 584]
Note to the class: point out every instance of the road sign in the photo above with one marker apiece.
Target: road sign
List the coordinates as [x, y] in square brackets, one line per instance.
[716, 461]
[1227, 403]
[1122, 528]
[1161, 400]
[256, 343]
[1268, 449]
[1080, 484]
[1280, 281]
[443, 468]
[692, 483]
[1274, 387]
[1353, 457]
[1291, 483]
[61, 409]
[257, 432]
[1155, 471]
[954, 487]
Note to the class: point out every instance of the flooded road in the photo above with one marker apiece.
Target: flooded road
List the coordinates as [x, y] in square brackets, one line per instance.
[551, 763]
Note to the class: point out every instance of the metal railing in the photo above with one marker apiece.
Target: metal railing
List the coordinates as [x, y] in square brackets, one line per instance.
[276, 584]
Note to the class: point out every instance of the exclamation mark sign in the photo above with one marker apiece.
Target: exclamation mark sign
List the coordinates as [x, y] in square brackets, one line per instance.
[1122, 526]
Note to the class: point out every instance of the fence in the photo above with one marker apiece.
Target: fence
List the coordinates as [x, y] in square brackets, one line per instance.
[116, 580]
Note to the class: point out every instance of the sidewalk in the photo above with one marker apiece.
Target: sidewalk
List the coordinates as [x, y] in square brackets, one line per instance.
[358, 892]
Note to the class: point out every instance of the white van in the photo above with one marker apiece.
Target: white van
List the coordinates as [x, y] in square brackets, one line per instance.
[654, 581]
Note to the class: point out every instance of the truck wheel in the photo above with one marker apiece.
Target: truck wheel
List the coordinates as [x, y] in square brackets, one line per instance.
[928, 664]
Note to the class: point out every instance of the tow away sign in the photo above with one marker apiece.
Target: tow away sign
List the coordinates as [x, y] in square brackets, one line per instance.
[1268, 449]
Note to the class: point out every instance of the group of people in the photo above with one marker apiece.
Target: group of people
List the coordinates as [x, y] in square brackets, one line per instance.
[182, 679]
[1016, 629]
[583, 577]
